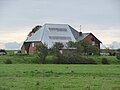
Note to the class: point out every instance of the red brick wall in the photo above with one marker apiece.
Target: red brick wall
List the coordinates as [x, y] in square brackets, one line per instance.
[23, 49]
[32, 50]
[90, 38]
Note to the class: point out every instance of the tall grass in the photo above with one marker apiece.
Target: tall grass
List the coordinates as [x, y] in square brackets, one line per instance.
[59, 77]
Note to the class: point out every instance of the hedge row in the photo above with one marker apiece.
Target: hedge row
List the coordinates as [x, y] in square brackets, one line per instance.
[69, 60]
[50, 59]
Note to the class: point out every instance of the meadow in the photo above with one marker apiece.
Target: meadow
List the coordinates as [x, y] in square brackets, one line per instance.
[59, 77]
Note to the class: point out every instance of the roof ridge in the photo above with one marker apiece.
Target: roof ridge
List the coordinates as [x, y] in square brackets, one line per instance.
[54, 24]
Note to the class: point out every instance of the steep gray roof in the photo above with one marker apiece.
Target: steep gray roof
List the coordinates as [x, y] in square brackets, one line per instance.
[51, 33]
[83, 36]
[76, 34]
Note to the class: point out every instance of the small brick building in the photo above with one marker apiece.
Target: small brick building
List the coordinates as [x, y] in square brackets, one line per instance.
[50, 33]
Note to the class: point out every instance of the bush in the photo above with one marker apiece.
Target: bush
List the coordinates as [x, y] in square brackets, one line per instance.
[50, 59]
[70, 60]
[19, 51]
[8, 61]
[32, 60]
[105, 61]
[75, 60]
[118, 56]
[87, 61]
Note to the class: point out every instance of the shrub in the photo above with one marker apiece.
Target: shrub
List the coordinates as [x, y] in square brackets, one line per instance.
[32, 60]
[118, 56]
[19, 51]
[87, 61]
[76, 60]
[60, 59]
[50, 59]
[42, 52]
[105, 61]
[68, 59]
[8, 61]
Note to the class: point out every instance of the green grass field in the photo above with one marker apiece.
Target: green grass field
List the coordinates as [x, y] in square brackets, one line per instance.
[59, 77]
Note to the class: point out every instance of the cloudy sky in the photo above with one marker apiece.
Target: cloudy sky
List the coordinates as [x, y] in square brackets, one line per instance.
[18, 17]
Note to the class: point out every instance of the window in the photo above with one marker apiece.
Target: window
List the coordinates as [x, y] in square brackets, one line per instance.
[93, 42]
[33, 44]
[60, 38]
[25, 52]
[61, 51]
[57, 29]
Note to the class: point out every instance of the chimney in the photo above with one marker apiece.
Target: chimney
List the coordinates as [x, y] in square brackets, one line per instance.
[80, 33]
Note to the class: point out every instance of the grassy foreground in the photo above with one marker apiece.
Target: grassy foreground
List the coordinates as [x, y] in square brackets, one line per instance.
[59, 77]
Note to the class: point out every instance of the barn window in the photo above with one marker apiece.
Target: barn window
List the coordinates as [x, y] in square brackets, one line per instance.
[60, 38]
[93, 42]
[33, 44]
[25, 52]
[57, 29]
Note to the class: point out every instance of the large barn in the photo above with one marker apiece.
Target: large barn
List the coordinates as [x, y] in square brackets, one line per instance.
[50, 33]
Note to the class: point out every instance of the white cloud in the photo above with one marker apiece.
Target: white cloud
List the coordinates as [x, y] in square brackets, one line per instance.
[13, 46]
[114, 45]
[10, 45]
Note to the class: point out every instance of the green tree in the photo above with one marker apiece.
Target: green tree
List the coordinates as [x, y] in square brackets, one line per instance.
[55, 50]
[58, 45]
[84, 47]
[42, 52]
[71, 44]
[90, 49]
[118, 55]
[79, 47]
[118, 50]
